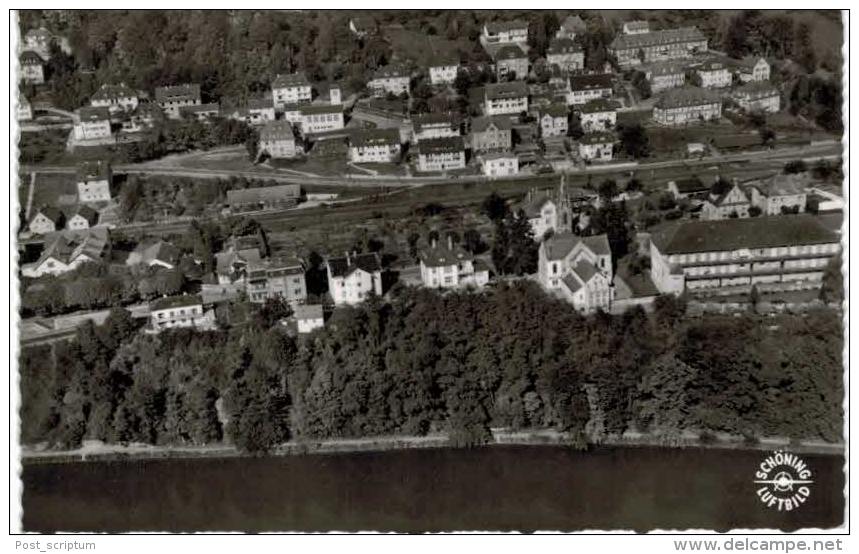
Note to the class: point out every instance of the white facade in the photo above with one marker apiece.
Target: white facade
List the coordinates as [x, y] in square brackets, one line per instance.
[355, 287]
[179, 317]
[715, 76]
[499, 165]
[553, 125]
[321, 120]
[443, 74]
[92, 129]
[291, 89]
[596, 148]
[755, 72]
[579, 269]
[441, 161]
[598, 121]
[94, 190]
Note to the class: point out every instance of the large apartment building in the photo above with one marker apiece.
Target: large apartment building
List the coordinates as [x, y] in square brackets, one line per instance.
[731, 255]
[293, 88]
[505, 98]
[173, 98]
[687, 105]
[375, 145]
[667, 44]
[441, 154]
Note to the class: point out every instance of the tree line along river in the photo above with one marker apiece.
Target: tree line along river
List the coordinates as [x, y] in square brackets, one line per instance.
[501, 488]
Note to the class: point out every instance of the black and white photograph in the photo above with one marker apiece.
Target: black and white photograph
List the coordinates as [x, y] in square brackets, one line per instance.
[421, 269]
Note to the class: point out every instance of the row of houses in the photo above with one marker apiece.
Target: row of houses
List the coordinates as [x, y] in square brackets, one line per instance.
[774, 195]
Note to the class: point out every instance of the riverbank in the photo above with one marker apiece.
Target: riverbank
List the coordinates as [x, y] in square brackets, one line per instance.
[99, 451]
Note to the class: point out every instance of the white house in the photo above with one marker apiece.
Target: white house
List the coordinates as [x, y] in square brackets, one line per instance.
[81, 218]
[505, 98]
[499, 164]
[504, 32]
[92, 124]
[173, 98]
[584, 88]
[579, 268]
[293, 88]
[308, 318]
[753, 69]
[687, 105]
[441, 154]
[94, 181]
[779, 193]
[758, 96]
[32, 67]
[597, 146]
[554, 121]
[598, 115]
[434, 125]
[511, 62]
[352, 278]
[665, 75]
[443, 70]
[566, 54]
[450, 266]
[391, 79]
[320, 118]
[277, 139]
[375, 145]
[67, 250]
[46, 220]
[637, 27]
[172, 312]
[115, 98]
[714, 74]
[732, 202]
[154, 253]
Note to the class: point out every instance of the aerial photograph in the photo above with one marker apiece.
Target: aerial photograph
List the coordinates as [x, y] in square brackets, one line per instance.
[422, 271]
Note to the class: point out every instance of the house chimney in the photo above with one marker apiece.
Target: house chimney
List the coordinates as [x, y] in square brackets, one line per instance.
[348, 259]
[450, 242]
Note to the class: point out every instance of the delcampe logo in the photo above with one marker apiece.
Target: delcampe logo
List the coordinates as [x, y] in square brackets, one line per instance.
[785, 480]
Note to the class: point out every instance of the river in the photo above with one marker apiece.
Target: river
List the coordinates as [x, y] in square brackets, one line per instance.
[523, 488]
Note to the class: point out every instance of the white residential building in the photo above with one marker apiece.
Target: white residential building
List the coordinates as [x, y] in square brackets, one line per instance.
[441, 154]
[758, 96]
[505, 98]
[554, 121]
[375, 145]
[93, 181]
[584, 88]
[731, 255]
[511, 62]
[779, 193]
[714, 74]
[391, 79]
[579, 268]
[115, 98]
[66, 250]
[174, 312]
[92, 124]
[450, 266]
[598, 115]
[443, 71]
[597, 147]
[320, 118]
[434, 125]
[499, 164]
[277, 139]
[293, 88]
[308, 318]
[351, 279]
[665, 75]
[753, 69]
[667, 44]
[173, 98]
[504, 32]
[687, 105]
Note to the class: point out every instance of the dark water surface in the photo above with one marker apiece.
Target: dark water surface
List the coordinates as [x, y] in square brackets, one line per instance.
[494, 488]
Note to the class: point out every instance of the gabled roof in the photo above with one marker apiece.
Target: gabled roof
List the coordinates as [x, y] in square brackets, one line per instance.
[68, 246]
[510, 52]
[598, 106]
[28, 57]
[691, 185]
[113, 92]
[755, 91]
[420, 121]
[482, 123]
[181, 301]
[512, 89]
[563, 46]
[559, 245]
[343, 267]
[721, 198]
[441, 255]
[51, 213]
[315, 109]
[597, 138]
[158, 250]
[585, 270]
[276, 130]
[574, 24]
[687, 96]
[781, 185]
[749, 62]
[308, 311]
[666, 68]
[555, 110]
[211, 108]
[390, 72]
[90, 114]
[93, 171]
[591, 82]
[656, 38]
[375, 137]
[684, 237]
[84, 211]
[441, 145]
[290, 80]
[173, 93]
[496, 27]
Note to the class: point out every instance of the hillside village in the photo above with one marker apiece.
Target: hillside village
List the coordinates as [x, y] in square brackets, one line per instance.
[571, 135]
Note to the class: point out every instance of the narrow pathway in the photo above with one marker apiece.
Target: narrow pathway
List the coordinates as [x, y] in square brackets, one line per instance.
[30, 196]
